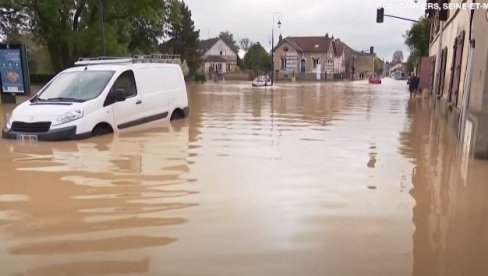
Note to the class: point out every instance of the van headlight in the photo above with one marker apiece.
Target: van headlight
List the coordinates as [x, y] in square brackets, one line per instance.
[9, 122]
[69, 117]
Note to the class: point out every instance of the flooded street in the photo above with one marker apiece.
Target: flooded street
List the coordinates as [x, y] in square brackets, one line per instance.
[301, 179]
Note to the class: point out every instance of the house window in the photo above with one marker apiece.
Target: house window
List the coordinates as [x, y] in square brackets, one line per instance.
[316, 62]
[228, 67]
[283, 64]
[221, 52]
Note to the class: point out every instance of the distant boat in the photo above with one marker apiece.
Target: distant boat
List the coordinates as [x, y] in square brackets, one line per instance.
[262, 81]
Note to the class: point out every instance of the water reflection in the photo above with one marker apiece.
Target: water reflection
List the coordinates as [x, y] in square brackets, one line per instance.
[297, 179]
[107, 194]
[451, 214]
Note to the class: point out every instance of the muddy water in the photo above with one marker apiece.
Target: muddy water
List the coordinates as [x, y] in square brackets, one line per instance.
[312, 179]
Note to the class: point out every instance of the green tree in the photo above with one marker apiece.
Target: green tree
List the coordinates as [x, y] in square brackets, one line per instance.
[184, 39]
[245, 43]
[12, 18]
[378, 66]
[417, 40]
[228, 38]
[71, 28]
[37, 54]
[257, 59]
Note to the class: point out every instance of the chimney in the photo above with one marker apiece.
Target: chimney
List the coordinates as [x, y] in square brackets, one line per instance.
[327, 35]
[280, 38]
[332, 37]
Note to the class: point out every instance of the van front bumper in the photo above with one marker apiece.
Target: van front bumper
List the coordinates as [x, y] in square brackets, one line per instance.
[60, 134]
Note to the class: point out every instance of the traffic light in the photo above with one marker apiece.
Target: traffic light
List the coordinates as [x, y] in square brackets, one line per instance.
[380, 14]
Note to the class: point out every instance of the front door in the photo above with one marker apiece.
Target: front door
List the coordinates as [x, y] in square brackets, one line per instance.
[302, 66]
[129, 112]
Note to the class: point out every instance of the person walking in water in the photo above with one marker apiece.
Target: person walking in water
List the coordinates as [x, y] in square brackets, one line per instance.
[413, 85]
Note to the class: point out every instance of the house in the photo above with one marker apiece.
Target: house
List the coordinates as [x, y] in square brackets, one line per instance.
[217, 56]
[313, 57]
[364, 66]
[461, 94]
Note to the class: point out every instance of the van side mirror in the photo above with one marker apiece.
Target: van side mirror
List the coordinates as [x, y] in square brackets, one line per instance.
[119, 95]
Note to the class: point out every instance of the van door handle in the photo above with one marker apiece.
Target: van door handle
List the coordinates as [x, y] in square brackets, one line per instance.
[138, 102]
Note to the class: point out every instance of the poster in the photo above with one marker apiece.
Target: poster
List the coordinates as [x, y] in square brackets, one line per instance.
[11, 70]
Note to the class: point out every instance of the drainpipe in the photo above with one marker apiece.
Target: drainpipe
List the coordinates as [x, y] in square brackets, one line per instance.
[438, 63]
[468, 78]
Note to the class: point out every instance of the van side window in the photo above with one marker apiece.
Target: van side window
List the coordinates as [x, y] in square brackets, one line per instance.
[126, 81]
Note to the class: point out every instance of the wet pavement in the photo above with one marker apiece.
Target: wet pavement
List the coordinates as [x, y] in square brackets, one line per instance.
[301, 179]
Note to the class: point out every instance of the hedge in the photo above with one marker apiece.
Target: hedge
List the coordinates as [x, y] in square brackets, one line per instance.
[40, 79]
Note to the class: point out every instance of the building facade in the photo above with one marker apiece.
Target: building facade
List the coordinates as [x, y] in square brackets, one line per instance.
[320, 57]
[466, 109]
[316, 56]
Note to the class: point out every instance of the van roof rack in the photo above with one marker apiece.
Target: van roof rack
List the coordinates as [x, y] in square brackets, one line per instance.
[152, 58]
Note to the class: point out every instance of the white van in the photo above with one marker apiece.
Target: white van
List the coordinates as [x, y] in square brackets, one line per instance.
[99, 97]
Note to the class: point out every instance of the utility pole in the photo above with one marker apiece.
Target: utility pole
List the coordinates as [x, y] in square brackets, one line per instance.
[272, 43]
[437, 75]
[100, 4]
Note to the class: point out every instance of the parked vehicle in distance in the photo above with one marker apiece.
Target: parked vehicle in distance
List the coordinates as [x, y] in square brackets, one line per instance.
[375, 80]
[101, 96]
[261, 81]
[399, 76]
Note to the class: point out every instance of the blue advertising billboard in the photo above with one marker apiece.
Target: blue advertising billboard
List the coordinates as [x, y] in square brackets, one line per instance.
[12, 78]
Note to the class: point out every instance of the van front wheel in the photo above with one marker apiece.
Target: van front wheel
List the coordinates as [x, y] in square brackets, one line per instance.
[177, 114]
[101, 129]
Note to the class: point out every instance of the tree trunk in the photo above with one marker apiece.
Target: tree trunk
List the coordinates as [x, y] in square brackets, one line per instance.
[55, 56]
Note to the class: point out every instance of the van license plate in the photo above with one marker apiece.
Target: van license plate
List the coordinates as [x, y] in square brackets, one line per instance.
[27, 137]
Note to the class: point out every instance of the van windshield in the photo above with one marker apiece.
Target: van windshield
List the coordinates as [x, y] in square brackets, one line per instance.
[76, 86]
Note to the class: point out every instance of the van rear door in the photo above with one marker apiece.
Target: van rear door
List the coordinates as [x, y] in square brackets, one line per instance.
[154, 84]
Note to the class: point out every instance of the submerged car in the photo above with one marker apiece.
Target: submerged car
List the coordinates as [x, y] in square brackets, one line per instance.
[262, 81]
[100, 97]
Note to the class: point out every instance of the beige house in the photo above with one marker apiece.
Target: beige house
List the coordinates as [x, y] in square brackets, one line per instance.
[217, 56]
[317, 56]
[447, 71]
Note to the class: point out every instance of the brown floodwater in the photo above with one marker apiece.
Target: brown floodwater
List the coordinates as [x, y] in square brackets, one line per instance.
[301, 179]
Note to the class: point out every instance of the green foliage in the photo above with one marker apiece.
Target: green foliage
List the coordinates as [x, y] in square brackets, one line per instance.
[184, 39]
[417, 40]
[184, 68]
[40, 79]
[37, 54]
[228, 38]
[245, 43]
[257, 59]
[200, 77]
[378, 66]
[72, 28]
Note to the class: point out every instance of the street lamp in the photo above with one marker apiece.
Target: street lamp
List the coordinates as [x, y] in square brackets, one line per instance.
[280, 17]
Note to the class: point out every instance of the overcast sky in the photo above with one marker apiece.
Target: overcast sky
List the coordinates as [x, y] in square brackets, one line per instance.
[353, 21]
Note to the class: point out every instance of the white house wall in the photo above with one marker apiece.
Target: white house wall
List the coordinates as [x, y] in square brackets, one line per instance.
[219, 47]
